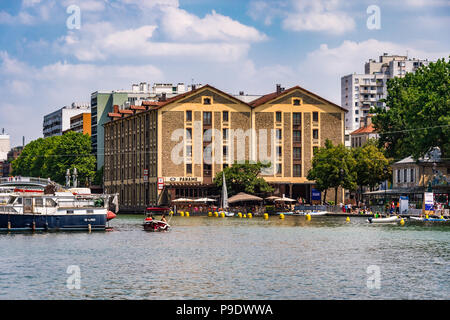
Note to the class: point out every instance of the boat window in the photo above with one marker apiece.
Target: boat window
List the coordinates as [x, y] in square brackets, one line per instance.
[19, 201]
[28, 202]
[11, 200]
[50, 202]
[69, 211]
[39, 202]
[90, 211]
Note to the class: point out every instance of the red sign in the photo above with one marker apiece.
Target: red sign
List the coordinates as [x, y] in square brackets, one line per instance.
[160, 183]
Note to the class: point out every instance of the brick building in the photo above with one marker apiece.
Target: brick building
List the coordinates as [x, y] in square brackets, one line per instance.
[177, 146]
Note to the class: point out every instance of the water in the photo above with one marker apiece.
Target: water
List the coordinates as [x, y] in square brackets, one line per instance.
[231, 258]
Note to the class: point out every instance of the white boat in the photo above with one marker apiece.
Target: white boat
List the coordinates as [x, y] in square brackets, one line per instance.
[58, 211]
[428, 219]
[312, 213]
[392, 219]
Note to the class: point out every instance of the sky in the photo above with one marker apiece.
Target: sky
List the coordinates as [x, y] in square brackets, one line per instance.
[55, 52]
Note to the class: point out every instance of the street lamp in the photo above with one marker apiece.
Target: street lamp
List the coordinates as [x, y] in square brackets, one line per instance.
[385, 171]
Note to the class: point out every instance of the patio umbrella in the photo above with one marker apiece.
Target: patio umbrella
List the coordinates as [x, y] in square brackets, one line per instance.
[182, 200]
[204, 200]
[284, 199]
[272, 198]
[241, 196]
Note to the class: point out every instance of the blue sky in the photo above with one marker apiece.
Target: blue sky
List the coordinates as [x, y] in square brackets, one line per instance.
[232, 44]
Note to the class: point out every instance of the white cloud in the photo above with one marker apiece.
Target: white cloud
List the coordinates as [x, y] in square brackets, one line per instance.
[36, 91]
[179, 24]
[327, 65]
[319, 15]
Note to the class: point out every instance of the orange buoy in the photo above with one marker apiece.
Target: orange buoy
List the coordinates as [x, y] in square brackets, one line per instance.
[110, 215]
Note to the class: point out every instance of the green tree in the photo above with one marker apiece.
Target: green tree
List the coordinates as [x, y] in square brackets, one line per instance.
[244, 177]
[333, 167]
[418, 113]
[371, 166]
[51, 157]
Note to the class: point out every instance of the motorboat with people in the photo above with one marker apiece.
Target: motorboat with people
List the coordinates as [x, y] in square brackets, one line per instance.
[391, 219]
[34, 210]
[154, 225]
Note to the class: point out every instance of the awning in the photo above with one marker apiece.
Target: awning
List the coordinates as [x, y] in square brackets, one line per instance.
[241, 196]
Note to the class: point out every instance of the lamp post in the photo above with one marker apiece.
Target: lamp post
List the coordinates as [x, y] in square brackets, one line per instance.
[341, 176]
[385, 171]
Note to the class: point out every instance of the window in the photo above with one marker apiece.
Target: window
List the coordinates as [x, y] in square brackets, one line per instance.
[278, 116]
[297, 119]
[315, 116]
[297, 170]
[207, 169]
[225, 165]
[315, 133]
[279, 151]
[279, 168]
[207, 135]
[189, 151]
[225, 151]
[405, 172]
[412, 175]
[225, 116]
[296, 102]
[188, 168]
[356, 119]
[50, 202]
[206, 100]
[297, 153]
[206, 118]
[297, 136]
[279, 134]
[39, 202]
[225, 134]
[398, 176]
[188, 133]
[188, 115]
[356, 111]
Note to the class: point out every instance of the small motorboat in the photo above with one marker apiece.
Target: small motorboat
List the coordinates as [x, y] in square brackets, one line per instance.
[392, 219]
[155, 225]
[227, 214]
[286, 213]
[422, 219]
[151, 224]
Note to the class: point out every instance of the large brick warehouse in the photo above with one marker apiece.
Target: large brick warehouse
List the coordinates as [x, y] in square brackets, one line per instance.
[177, 146]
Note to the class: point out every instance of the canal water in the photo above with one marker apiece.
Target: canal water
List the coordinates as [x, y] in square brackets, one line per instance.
[230, 258]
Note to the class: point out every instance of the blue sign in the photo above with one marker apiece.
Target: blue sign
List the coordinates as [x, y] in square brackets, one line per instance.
[315, 194]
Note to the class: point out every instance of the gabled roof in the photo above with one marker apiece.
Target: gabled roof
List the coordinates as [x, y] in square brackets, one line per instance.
[366, 129]
[188, 93]
[271, 96]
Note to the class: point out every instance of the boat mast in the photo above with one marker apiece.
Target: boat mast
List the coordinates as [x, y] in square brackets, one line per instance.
[224, 193]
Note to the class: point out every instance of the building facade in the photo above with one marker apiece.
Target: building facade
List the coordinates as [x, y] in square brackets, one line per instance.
[81, 123]
[102, 103]
[174, 148]
[5, 146]
[57, 122]
[360, 92]
[360, 136]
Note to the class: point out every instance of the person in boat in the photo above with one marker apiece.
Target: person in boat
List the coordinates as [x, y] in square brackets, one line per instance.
[163, 218]
[149, 217]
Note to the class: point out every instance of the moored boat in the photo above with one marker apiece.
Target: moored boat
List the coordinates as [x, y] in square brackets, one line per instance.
[422, 219]
[34, 211]
[392, 219]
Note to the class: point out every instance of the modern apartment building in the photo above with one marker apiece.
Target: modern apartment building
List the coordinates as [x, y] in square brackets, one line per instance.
[102, 103]
[361, 92]
[80, 123]
[176, 146]
[57, 122]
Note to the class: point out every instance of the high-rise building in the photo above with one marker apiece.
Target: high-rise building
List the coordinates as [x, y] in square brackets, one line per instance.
[361, 92]
[58, 121]
[5, 145]
[80, 123]
[102, 103]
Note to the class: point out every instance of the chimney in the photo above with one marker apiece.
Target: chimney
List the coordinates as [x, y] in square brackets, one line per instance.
[278, 88]
[116, 108]
[193, 87]
[241, 93]
[163, 97]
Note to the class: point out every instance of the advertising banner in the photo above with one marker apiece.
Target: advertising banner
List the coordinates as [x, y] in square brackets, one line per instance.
[428, 201]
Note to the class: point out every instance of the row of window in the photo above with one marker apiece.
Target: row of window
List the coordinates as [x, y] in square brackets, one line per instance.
[207, 117]
[405, 175]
